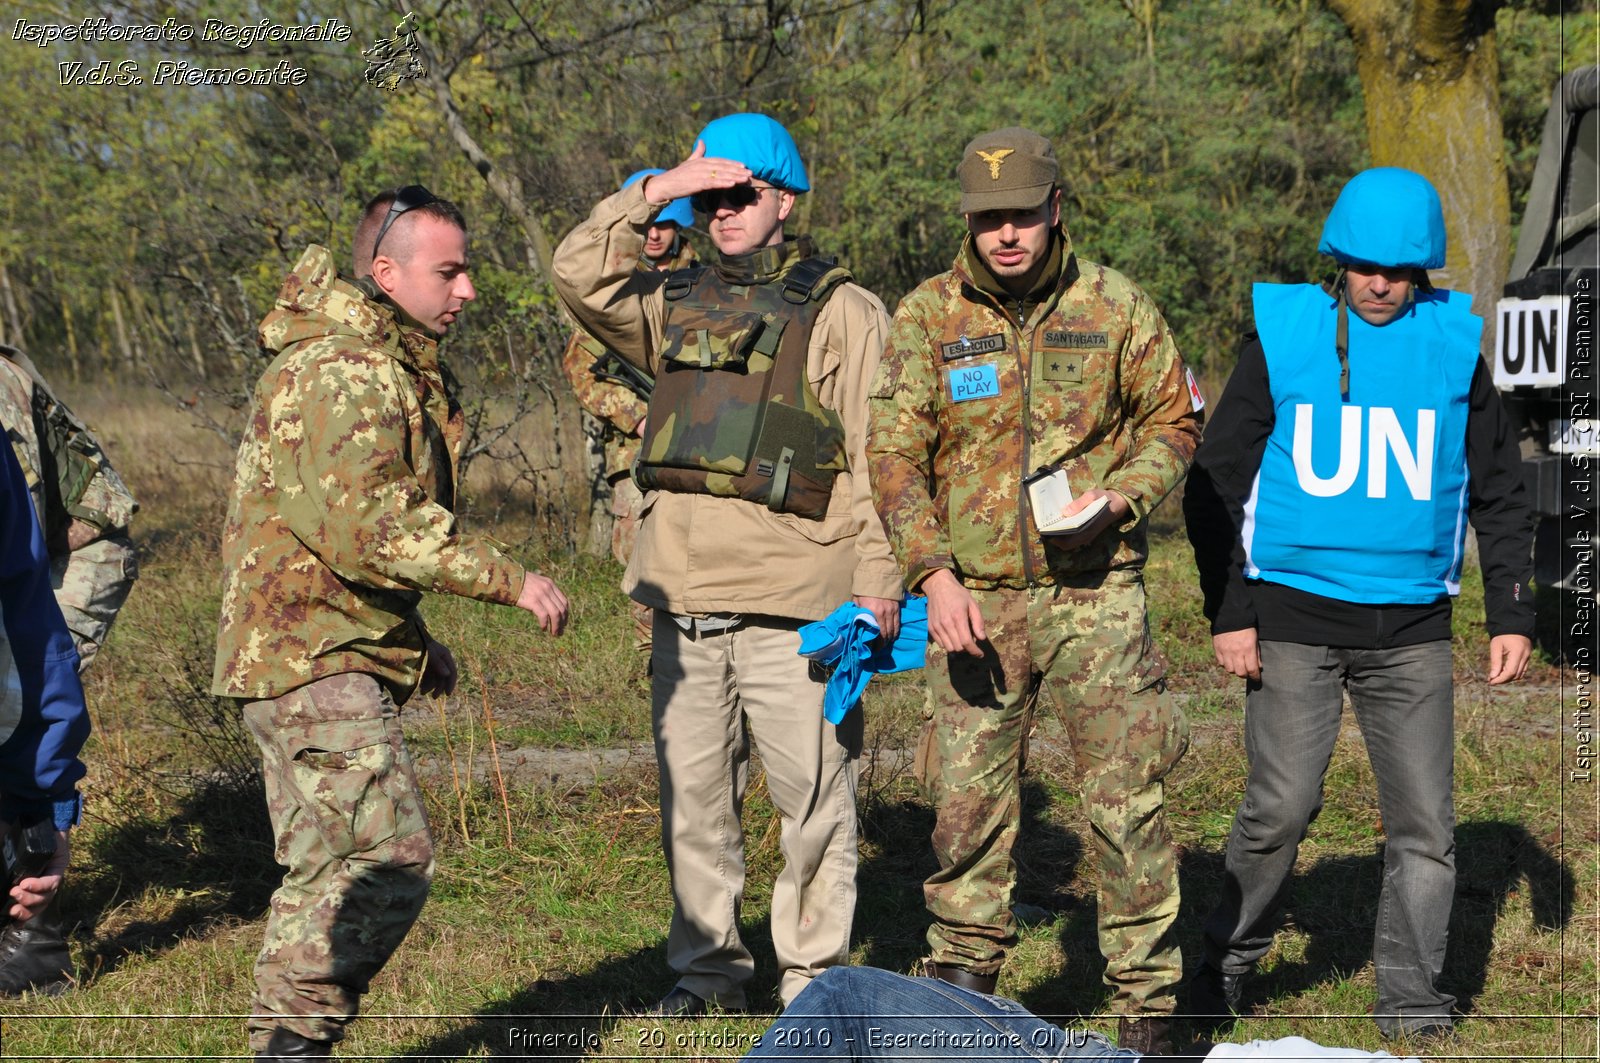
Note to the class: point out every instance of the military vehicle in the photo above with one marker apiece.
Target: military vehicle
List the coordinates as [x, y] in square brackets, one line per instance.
[1544, 358]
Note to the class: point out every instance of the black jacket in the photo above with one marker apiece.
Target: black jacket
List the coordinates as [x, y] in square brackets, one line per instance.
[1225, 470]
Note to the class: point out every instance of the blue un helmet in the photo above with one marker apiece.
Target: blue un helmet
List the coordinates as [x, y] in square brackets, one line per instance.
[762, 144]
[678, 211]
[1386, 216]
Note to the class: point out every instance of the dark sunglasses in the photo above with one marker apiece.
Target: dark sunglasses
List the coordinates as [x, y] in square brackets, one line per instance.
[408, 198]
[738, 197]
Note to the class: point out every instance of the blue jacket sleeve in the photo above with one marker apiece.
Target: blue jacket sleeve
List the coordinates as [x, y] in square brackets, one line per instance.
[43, 719]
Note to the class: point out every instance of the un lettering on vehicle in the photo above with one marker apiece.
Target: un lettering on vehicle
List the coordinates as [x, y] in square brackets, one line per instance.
[1532, 348]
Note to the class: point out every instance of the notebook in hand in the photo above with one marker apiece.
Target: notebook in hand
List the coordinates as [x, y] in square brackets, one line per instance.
[1049, 494]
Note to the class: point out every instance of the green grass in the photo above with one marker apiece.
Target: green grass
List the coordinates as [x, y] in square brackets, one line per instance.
[565, 913]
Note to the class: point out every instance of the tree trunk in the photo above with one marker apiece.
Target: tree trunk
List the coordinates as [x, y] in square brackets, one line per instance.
[12, 332]
[598, 538]
[1430, 74]
[73, 358]
[123, 346]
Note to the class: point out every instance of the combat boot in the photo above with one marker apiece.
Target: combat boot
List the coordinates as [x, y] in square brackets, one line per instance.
[286, 1044]
[1149, 1035]
[34, 955]
[960, 976]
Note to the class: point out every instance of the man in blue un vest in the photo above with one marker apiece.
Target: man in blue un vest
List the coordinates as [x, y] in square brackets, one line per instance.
[1328, 505]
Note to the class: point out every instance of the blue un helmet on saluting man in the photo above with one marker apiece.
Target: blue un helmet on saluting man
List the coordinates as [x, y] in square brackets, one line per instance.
[760, 519]
[1328, 506]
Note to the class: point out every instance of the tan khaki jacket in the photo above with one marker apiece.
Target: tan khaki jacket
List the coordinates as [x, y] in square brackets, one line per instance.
[704, 554]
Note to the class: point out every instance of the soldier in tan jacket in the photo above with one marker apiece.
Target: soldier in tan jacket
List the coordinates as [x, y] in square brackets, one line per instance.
[756, 520]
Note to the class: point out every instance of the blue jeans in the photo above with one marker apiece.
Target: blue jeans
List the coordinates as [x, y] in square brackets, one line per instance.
[1403, 699]
[849, 1013]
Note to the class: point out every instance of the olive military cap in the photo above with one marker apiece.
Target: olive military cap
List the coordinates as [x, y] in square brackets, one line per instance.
[1008, 169]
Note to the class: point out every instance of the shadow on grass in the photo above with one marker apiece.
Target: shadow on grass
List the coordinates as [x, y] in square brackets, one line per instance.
[562, 1017]
[212, 858]
[892, 923]
[1335, 904]
[568, 1016]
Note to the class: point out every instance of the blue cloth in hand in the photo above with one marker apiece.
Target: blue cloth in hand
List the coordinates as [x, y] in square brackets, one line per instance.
[847, 640]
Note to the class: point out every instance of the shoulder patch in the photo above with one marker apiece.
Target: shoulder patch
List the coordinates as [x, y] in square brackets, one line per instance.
[1197, 398]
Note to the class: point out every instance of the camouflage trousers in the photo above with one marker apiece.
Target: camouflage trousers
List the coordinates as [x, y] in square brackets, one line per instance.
[91, 583]
[351, 831]
[1087, 643]
[627, 504]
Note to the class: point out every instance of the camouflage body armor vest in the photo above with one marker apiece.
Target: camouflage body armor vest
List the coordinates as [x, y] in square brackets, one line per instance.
[732, 413]
[75, 479]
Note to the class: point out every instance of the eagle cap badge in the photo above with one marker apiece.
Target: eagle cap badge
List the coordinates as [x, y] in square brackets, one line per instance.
[994, 159]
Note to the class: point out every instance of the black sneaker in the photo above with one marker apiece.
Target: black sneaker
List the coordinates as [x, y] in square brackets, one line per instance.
[1215, 994]
[678, 1004]
[1430, 1031]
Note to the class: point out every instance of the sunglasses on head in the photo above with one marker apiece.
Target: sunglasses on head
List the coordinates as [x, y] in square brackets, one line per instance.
[738, 197]
[408, 198]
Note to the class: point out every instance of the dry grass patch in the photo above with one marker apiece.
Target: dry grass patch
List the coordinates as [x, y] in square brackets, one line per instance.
[552, 900]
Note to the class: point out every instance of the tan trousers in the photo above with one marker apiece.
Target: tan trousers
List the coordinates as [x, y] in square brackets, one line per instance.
[711, 693]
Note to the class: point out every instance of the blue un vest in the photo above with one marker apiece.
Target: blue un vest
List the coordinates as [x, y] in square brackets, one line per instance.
[1363, 501]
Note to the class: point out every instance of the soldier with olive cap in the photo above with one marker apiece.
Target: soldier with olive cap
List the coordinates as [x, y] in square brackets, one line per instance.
[1025, 358]
[757, 519]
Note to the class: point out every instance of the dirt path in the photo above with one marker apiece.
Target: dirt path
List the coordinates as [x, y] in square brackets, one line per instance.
[1528, 711]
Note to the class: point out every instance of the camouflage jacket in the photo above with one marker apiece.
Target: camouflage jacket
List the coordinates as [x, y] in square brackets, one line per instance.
[968, 401]
[344, 487]
[614, 405]
[84, 507]
[706, 554]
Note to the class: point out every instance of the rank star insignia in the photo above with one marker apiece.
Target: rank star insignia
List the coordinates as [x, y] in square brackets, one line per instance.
[994, 159]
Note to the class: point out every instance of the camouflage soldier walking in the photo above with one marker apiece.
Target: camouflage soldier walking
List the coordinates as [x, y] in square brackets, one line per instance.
[618, 395]
[341, 516]
[84, 509]
[1025, 356]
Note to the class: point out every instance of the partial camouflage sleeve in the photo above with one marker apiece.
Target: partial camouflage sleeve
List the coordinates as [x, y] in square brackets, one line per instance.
[597, 276]
[612, 403]
[84, 506]
[1165, 425]
[339, 438]
[903, 435]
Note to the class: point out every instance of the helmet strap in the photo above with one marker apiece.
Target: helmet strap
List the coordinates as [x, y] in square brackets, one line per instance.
[1341, 337]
